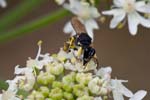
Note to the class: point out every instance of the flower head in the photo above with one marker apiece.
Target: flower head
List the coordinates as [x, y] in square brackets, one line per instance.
[62, 77]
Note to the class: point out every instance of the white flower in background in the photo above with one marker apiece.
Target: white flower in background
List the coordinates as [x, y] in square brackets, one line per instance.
[3, 3]
[86, 14]
[129, 9]
[139, 95]
[119, 90]
[59, 2]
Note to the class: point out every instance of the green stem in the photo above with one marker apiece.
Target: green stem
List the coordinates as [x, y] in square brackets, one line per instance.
[17, 13]
[31, 26]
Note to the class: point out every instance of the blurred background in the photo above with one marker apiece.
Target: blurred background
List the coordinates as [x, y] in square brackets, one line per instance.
[129, 56]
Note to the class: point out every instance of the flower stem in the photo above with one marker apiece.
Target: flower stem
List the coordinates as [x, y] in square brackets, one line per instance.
[36, 24]
[18, 12]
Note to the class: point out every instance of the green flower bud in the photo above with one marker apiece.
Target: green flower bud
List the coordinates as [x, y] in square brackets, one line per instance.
[85, 97]
[55, 68]
[39, 96]
[44, 90]
[83, 78]
[68, 96]
[67, 88]
[32, 95]
[80, 90]
[95, 85]
[56, 94]
[69, 79]
[45, 78]
[104, 91]
[105, 97]
[56, 84]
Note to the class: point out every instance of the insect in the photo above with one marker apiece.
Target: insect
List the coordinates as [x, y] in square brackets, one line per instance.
[81, 42]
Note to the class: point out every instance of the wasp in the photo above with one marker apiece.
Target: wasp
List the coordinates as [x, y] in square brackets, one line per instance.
[81, 42]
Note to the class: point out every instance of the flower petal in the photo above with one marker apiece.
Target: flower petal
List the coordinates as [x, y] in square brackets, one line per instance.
[110, 12]
[118, 16]
[142, 7]
[144, 22]
[94, 12]
[133, 22]
[90, 25]
[74, 6]
[22, 70]
[117, 19]
[119, 3]
[125, 91]
[120, 88]
[117, 95]
[104, 72]
[139, 95]
[69, 29]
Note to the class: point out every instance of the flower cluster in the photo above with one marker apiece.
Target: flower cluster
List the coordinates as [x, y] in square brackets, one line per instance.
[134, 11]
[62, 77]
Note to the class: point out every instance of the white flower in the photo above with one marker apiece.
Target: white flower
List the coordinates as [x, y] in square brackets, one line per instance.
[129, 8]
[98, 98]
[105, 73]
[118, 90]
[95, 85]
[3, 3]
[91, 65]
[28, 78]
[62, 55]
[78, 66]
[139, 95]
[13, 84]
[55, 68]
[86, 14]
[40, 59]
[59, 2]
[8, 95]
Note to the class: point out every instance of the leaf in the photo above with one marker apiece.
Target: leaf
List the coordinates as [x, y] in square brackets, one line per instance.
[3, 85]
